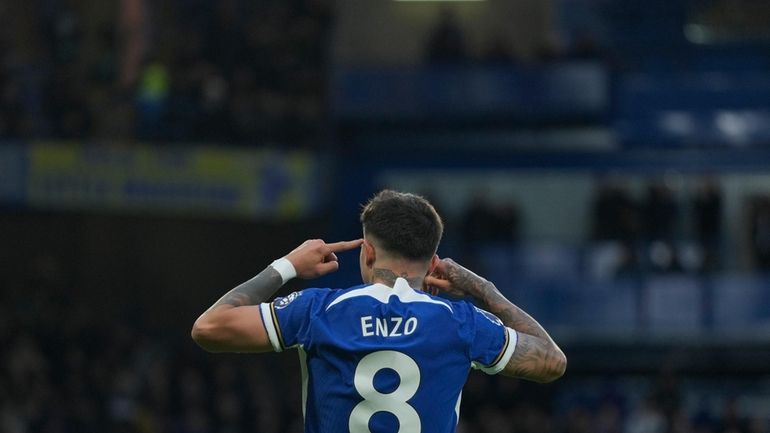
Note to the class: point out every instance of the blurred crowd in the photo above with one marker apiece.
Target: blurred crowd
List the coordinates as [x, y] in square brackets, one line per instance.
[447, 44]
[659, 231]
[635, 228]
[172, 70]
[662, 230]
[230, 71]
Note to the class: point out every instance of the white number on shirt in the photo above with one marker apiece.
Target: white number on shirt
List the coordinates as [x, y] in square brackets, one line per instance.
[394, 402]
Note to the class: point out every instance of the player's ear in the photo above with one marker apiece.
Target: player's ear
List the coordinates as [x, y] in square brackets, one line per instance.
[433, 263]
[370, 254]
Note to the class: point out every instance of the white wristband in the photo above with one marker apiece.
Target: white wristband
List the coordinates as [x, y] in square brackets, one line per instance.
[285, 268]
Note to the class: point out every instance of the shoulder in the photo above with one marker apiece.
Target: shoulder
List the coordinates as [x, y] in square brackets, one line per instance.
[466, 311]
[461, 308]
[310, 296]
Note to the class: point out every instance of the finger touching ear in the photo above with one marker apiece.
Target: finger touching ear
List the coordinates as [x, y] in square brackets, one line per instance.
[437, 282]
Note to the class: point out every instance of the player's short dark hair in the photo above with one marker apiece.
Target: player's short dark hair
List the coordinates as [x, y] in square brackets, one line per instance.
[406, 224]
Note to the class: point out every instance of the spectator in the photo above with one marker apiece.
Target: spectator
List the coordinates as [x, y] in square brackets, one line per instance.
[478, 221]
[615, 215]
[234, 71]
[446, 43]
[660, 212]
[152, 100]
[760, 232]
[485, 222]
[707, 212]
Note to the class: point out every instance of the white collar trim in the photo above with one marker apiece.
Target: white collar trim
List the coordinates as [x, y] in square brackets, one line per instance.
[382, 293]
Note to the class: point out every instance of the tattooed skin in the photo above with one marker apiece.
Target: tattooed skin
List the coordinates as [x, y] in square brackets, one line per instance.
[536, 357]
[252, 292]
[389, 277]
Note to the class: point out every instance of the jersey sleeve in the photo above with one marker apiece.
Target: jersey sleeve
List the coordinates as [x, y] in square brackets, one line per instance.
[493, 343]
[287, 319]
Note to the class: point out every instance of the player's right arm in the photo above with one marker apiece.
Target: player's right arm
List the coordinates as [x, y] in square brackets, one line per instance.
[234, 322]
[536, 356]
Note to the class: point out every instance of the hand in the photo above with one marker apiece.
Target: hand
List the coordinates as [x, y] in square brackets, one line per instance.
[452, 278]
[315, 257]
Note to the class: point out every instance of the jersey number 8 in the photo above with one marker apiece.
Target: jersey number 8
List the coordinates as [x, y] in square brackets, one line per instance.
[394, 402]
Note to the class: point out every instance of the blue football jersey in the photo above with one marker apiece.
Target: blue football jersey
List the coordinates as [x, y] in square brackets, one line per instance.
[385, 360]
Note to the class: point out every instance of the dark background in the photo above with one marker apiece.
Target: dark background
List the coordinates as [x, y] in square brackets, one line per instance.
[604, 162]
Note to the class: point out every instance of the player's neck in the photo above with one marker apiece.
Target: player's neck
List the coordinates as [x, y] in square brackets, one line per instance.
[387, 275]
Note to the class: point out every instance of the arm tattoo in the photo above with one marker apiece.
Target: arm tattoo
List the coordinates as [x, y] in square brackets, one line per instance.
[536, 356]
[389, 277]
[253, 291]
[535, 359]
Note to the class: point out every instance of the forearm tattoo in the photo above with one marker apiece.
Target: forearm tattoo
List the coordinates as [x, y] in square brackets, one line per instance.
[254, 291]
[536, 354]
[535, 358]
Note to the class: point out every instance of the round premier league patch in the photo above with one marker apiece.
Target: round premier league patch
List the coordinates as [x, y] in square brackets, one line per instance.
[283, 302]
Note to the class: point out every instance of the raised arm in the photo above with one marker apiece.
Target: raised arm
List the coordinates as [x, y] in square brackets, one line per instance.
[233, 323]
[537, 357]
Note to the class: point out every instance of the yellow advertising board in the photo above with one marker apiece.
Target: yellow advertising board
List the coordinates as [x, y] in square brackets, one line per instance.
[195, 180]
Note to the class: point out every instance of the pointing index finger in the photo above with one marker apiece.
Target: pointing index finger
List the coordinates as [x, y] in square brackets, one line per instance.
[344, 245]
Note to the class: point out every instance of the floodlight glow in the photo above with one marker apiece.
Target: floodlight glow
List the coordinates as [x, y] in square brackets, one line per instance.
[437, 1]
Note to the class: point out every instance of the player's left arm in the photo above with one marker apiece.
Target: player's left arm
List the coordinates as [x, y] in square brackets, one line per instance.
[234, 323]
[535, 355]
